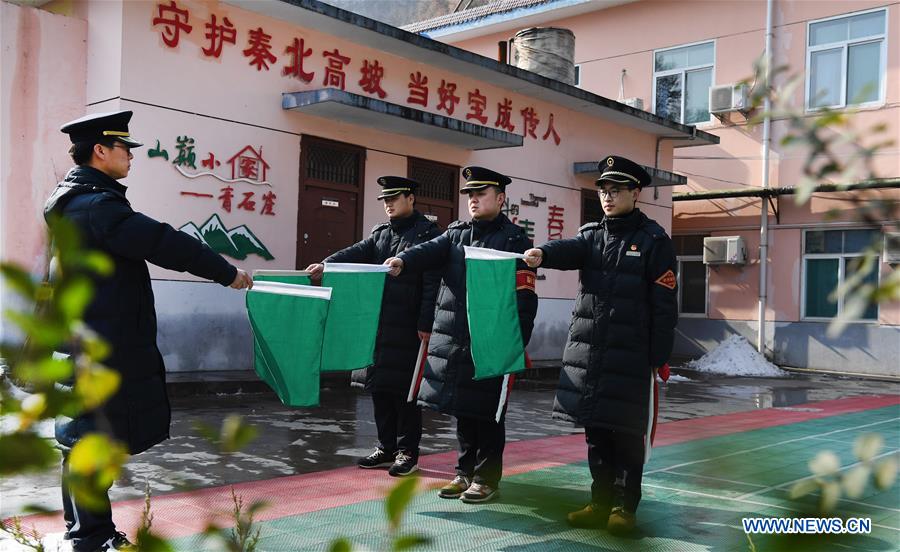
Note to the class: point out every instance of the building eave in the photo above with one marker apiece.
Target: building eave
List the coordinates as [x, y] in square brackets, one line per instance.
[374, 34]
[458, 26]
[350, 108]
[659, 177]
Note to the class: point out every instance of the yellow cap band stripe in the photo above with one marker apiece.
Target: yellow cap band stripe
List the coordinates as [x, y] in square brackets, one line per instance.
[392, 190]
[115, 133]
[488, 182]
[617, 173]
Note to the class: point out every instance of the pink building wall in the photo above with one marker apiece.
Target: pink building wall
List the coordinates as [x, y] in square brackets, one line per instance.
[38, 90]
[116, 58]
[606, 43]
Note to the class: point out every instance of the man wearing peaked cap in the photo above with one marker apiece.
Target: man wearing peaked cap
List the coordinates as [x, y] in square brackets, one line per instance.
[392, 186]
[622, 332]
[407, 315]
[101, 127]
[121, 309]
[448, 385]
[479, 178]
[622, 171]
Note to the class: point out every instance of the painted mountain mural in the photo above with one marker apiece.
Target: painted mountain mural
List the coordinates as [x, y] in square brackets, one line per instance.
[236, 243]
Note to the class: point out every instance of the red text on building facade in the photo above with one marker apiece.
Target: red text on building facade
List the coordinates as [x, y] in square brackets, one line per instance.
[174, 21]
[447, 98]
[555, 221]
[247, 203]
[217, 35]
[226, 197]
[551, 131]
[371, 78]
[249, 163]
[504, 115]
[295, 67]
[268, 207]
[418, 89]
[477, 104]
[334, 71]
[211, 162]
[260, 50]
[530, 121]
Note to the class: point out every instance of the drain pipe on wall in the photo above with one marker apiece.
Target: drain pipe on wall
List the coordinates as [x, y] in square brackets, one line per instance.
[764, 205]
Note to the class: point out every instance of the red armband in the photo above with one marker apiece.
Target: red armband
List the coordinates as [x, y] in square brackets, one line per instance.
[524, 280]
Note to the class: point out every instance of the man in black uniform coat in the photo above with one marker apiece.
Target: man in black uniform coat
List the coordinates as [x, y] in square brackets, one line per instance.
[122, 310]
[448, 387]
[621, 333]
[407, 313]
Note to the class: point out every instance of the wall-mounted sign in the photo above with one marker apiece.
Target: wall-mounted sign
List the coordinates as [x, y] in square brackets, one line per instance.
[338, 70]
[330, 203]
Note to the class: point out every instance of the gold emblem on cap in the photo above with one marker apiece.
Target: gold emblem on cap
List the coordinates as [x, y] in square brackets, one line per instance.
[609, 161]
[467, 173]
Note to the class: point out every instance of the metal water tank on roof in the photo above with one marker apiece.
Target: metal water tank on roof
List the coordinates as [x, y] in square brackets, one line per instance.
[547, 51]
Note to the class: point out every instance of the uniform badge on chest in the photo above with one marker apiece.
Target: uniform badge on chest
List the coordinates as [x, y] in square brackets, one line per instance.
[633, 252]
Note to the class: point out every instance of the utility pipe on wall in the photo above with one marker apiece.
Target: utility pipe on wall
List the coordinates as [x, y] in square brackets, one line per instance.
[764, 211]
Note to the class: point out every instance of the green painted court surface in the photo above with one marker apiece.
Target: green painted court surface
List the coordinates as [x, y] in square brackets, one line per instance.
[694, 495]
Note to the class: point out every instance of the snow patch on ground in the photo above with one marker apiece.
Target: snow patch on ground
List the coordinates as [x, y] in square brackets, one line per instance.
[676, 378]
[736, 357]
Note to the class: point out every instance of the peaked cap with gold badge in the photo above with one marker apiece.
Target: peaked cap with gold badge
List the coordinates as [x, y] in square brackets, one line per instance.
[98, 127]
[479, 178]
[620, 170]
[396, 185]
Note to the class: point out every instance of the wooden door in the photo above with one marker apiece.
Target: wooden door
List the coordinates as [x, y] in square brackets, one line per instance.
[331, 189]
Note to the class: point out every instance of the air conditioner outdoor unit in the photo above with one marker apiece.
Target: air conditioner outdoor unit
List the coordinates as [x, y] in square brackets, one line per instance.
[636, 103]
[724, 250]
[728, 98]
[892, 247]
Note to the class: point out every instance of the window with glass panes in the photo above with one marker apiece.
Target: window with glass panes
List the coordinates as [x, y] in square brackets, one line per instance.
[829, 258]
[845, 60]
[681, 80]
[691, 274]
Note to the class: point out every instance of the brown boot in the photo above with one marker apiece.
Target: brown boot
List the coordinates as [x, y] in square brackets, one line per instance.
[621, 522]
[591, 516]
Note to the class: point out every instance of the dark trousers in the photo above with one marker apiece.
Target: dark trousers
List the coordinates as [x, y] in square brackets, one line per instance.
[616, 460]
[87, 528]
[399, 424]
[481, 446]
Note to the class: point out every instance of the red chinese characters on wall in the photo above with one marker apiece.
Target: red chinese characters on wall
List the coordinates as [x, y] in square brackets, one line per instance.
[530, 121]
[226, 197]
[298, 53]
[268, 207]
[504, 115]
[171, 19]
[477, 105]
[555, 221]
[371, 78]
[551, 131]
[259, 50]
[418, 89]
[174, 21]
[248, 163]
[218, 35]
[334, 71]
[447, 98]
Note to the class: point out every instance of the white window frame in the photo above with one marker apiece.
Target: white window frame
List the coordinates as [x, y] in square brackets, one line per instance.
[841, 276]
[845, 46]
[683, 72]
